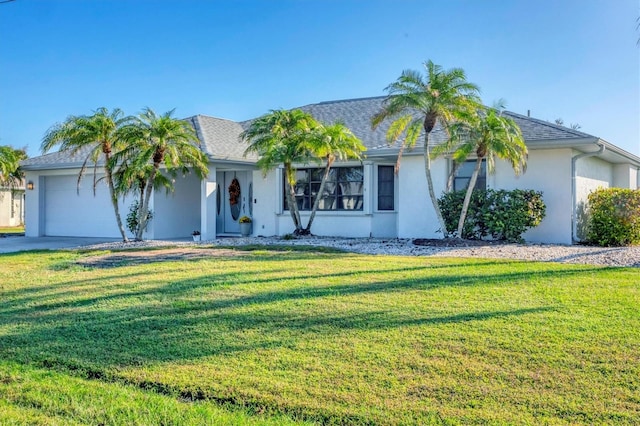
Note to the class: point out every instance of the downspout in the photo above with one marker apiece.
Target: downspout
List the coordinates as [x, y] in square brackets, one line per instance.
[574, 195]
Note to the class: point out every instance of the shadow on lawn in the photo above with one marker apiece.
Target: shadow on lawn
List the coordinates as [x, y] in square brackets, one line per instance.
[176, 321]
[14, 304]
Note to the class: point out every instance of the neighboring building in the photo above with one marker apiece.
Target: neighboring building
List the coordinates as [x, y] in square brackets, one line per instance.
[12, 206]
[362, 199]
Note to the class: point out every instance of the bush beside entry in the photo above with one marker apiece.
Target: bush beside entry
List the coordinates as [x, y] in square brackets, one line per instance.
[613, 217]
[132, 218]
[503, 215]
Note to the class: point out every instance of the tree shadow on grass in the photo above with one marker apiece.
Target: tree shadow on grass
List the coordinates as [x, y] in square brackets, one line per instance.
[14, 305]
[165, 322]
[96, 335]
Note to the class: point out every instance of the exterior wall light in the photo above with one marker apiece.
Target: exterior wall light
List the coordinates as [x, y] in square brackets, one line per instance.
[30, 186]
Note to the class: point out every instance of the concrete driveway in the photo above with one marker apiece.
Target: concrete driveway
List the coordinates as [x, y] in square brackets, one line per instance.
[14, 244]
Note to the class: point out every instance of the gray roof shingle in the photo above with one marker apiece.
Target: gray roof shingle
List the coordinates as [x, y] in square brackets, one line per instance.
[356, 114]
[219, 138]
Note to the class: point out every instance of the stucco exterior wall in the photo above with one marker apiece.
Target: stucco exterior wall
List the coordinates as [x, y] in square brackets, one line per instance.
[266, 195]
[271, 219]
[11, 207]
[177, 214]
[56, 207]
[592, 173]
[549, 171]
[625, 176]
[32, 223]
[416, 216]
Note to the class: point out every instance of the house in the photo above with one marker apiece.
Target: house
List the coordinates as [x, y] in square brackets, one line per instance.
[12, 205]
[365, 199]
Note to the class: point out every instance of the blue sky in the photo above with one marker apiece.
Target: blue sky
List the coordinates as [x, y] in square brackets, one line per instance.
[577, 60]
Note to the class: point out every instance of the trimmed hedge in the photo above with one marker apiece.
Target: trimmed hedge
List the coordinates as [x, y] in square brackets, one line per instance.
[503, 215]
[613, 217]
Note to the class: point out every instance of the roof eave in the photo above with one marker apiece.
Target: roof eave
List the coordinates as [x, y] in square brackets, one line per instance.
[582, 143]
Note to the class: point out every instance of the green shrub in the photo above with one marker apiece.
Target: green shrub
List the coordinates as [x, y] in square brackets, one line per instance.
[132, 218]
[613, 217]
[451, 207]
[503, 215]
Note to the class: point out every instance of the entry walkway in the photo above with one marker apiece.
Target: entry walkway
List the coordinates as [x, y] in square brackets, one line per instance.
[15, 244]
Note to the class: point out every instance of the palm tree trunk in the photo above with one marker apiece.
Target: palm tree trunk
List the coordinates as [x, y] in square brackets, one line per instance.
[452, 175]
[114, 199]
[291, 200]
[144, 209]
[467, 197]
[316, 202]
[432, 193]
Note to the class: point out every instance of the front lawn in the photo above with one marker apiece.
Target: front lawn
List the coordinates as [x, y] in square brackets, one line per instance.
[337, 338]
[11, 230]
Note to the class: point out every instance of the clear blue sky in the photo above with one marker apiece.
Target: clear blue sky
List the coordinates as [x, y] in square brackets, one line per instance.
[574, 59]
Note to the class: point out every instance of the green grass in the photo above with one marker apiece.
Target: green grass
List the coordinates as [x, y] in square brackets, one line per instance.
[10, 230]
[276, 336]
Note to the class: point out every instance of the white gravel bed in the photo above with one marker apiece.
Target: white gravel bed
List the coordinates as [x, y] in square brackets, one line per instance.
[606, 256]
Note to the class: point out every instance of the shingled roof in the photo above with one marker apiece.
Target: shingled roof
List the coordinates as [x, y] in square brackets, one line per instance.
[219, 138]
[356, 115]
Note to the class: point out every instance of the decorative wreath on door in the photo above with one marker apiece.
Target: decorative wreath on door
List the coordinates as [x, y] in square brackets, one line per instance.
[234, 192]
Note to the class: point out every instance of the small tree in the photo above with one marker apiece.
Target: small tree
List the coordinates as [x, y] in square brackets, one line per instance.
[159, 141]
[489, 135]
[133, 224]
[334, 142]
[10, 173]
[416, 103]
[283, 137]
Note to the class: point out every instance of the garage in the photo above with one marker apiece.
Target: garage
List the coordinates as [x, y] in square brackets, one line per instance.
[72, 213]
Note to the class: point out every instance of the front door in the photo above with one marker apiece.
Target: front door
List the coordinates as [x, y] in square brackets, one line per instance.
[234, 194]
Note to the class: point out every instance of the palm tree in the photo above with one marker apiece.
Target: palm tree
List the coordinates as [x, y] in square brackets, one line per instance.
[283, 137]
[158, 141]
[132, 179]
[491, 135]
[100, 135]
[416, 103]
[334, 142]
[10, 173]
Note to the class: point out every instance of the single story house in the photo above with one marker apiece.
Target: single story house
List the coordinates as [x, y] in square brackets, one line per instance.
[363, 199]
[12, 205]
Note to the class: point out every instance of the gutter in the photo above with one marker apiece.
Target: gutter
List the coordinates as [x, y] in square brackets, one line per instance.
[574, 195]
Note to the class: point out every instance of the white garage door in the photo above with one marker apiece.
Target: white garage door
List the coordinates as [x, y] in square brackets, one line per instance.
[72, 214]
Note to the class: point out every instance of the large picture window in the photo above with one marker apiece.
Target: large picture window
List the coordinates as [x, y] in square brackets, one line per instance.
[342, 191]
[463, 176]
[386, 188]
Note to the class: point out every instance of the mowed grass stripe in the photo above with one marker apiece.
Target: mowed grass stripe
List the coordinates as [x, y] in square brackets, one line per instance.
[337, 337]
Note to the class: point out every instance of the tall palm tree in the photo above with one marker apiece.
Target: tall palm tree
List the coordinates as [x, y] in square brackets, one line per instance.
[160, 141]
[334, 142]
[100, 134]
[10, 173]
[491, 135]
[283, 137]
[416, 103]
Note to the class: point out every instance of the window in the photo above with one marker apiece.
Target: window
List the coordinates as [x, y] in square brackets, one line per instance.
[464, 172]
[342, 191]
[218, 198]
[386, 188]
